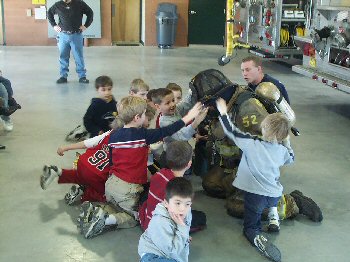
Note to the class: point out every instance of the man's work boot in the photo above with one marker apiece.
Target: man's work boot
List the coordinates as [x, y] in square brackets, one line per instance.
[307, 206]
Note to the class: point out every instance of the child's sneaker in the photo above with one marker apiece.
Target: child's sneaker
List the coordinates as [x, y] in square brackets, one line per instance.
[8, 125]
[96, 225]
[274, 225]
[86, 210]
[74, 194]
[267, 248]
[78, 134]
[49, 174]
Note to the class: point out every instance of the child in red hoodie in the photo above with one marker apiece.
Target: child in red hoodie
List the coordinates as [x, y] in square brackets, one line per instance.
[178, 160]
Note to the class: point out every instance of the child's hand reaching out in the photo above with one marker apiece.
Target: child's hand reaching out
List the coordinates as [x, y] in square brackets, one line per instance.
[221, 106]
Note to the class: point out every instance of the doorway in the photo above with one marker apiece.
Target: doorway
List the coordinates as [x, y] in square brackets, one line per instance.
[206, 22]
[2, 22]
[126, 22]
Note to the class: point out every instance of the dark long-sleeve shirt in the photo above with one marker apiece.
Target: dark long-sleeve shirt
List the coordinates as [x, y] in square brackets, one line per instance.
[274, 81]
[70, 15]
[94, 121]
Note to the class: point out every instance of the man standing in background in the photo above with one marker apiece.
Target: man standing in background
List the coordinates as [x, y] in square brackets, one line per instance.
[69, 29]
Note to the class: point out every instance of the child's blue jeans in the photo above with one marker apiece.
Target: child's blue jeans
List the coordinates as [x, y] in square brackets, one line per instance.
[4, 95]
[254, 205]
[155, 258]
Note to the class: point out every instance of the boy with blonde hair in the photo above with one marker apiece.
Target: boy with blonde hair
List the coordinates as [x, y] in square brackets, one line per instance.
[139, 88]
[258, 172]
[129, 147]
[92, 167]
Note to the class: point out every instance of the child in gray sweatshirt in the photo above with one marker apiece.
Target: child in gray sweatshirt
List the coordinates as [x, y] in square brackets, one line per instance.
[167, 236]
[258, 172]
[170, 112]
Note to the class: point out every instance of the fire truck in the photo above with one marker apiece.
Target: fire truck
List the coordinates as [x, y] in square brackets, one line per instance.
[318, 31]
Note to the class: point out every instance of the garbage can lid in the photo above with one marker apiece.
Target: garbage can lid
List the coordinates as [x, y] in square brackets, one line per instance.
[167, 7]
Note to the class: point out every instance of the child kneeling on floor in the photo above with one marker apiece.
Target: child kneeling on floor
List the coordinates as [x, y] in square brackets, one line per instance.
[167, 236]
[178, 160]
[258, 172]
[91, 169]
[100, 113]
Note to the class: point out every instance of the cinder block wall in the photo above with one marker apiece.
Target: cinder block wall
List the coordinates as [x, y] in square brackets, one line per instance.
[22, 30]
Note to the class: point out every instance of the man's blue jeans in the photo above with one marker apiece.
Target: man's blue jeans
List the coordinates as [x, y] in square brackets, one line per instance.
[254, 205]
[66, 43]
[155, 258]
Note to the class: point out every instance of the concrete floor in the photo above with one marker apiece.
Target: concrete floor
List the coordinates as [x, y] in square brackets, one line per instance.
[36, 225]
